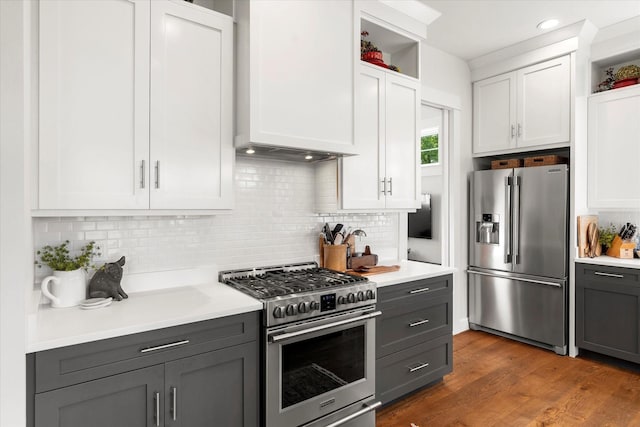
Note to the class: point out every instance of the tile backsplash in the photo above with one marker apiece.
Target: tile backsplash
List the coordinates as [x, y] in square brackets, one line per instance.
[273, 223]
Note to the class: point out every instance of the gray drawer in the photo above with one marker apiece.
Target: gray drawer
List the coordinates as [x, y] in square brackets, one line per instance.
[590, 273]
[417, 290]
[403, 326]
[407, 370]
[84, 362]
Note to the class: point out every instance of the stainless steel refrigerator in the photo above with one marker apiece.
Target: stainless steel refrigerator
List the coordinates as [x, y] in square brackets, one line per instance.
[518, 258]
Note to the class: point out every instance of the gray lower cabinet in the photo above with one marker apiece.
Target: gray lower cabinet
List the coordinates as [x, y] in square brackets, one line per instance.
[608, 310]
[413, 336]
[200, 374]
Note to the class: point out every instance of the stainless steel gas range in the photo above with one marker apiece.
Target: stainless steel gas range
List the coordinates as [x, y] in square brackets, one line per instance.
[319, 344]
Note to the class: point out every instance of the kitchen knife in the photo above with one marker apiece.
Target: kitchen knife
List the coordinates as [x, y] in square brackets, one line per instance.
[328, 234]
[337, 229]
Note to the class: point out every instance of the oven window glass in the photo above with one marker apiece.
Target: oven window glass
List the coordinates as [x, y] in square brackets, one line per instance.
[318, 365]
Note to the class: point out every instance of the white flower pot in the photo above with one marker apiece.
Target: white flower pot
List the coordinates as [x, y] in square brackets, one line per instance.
[65, 288]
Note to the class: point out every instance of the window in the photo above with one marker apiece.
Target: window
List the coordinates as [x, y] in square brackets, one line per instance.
[429, 148]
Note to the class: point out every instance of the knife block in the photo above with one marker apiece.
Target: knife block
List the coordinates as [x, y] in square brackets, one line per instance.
[621, 249]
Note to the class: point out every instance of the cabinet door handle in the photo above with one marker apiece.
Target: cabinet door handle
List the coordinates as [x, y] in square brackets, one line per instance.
[174, 403]
[384, 186]
[617, 276]
[513, 131]
[157, 173]
[142, 174]
[418, 323]
[417, 368]
[418, 291]
[519, 130]
[163, 346]
[391, 186]
[156, 408]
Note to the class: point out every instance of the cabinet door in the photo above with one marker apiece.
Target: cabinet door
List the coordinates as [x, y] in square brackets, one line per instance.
[129, 399]
[302, 73]
[191, 106]
[94, 104]
[544, 103]
[219, 388]
[402, 149]
[362, 175]
[494, 113]
[613, 149]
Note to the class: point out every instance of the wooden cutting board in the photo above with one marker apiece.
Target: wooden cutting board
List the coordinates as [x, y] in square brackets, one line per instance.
[377, 269]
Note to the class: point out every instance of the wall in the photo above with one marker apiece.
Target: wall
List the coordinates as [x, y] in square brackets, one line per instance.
[448, 78]
[273, 223]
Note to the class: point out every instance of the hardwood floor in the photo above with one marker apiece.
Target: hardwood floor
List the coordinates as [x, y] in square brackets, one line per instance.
[501, 382]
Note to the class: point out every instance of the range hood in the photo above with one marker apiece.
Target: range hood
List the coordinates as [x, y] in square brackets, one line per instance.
[286, 153]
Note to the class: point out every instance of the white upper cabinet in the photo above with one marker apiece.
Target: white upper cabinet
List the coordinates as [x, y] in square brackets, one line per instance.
[296, 74]
[138, 118]
[191, 116]
[524, 109]
[94, 104]
[614, 149]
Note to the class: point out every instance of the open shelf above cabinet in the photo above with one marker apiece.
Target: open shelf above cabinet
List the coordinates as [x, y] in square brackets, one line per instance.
[397, 49]
[599, 68]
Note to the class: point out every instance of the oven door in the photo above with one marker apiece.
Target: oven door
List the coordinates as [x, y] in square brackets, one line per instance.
[316, 367]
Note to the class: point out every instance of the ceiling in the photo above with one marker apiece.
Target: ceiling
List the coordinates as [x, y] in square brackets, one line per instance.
[472, 28]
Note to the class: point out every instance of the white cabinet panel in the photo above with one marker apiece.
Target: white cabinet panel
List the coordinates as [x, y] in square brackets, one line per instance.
[544, 103]
[385, 174]
[401, 146]
[94, 104]
[494, 110]
[527, 108]
[191, 135]
[614, 149]
[139, 117]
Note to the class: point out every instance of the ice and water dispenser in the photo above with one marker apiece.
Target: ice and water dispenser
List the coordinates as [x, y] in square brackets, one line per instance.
[488, 229]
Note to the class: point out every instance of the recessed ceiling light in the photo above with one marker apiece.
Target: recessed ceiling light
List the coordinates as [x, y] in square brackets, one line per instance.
[250, 151]
[548, 23]
[308, 157]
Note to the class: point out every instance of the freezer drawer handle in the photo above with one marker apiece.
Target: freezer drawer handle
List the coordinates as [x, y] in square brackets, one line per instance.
[617, 276]
[519, 279]
[417, 368]
[366, 409]
[421, 322]
[162, 347]
[418, 291]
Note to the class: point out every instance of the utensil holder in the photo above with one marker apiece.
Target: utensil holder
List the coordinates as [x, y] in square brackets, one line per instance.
[335, 257]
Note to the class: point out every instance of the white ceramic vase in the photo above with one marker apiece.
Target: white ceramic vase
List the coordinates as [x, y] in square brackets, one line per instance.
[65, 288]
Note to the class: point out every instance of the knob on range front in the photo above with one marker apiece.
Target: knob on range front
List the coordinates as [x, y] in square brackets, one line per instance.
[291, 309]
[278, 312]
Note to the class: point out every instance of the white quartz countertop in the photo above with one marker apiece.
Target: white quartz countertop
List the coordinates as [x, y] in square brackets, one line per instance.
[143, 311]
[611, 261]
[409, 271]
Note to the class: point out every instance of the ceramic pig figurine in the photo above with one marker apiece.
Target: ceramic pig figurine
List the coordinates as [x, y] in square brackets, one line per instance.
[106, 282]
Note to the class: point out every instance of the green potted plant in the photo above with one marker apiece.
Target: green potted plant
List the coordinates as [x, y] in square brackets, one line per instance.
[607, 234]
[67, 286]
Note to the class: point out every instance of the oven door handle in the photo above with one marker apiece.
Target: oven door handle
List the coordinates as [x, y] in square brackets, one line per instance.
[286, 336]
[367, 408]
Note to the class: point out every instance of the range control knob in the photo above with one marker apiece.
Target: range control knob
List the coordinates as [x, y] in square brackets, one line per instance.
[360, 296]
[303, 307]
[370, 294]
[278, 312]
[314, 305]
[342, 300]
[291, 310]
[351, 298]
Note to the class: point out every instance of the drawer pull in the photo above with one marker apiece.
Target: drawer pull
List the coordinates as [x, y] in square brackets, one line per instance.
[417, 368]
[161, 347]
[418, 323]
[417, 291]
[617, 276]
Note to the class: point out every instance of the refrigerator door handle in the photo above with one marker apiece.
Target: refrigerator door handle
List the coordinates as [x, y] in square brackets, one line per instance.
[507, 228]
[516, 219]
[519, 279]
